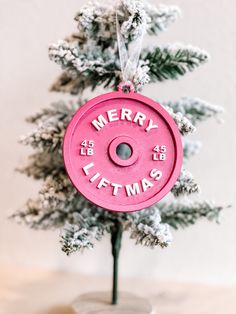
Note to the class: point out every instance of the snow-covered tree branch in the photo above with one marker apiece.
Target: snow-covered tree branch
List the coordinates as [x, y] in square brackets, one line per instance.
[186, 212]
[195, 109]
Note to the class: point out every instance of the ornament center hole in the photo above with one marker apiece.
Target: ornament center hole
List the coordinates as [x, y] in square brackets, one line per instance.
[124, 151]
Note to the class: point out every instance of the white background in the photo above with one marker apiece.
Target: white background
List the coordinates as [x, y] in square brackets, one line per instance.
[205, 252]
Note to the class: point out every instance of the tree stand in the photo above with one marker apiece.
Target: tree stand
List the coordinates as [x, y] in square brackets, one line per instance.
[99, 302]
[103, 302]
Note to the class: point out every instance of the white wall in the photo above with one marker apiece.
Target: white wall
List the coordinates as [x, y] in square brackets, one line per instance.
[205, 252]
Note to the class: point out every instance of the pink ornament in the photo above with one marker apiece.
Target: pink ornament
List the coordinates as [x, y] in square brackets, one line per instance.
[152, 144]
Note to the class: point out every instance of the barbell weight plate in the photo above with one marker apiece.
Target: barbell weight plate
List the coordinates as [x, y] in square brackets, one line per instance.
[122, 152]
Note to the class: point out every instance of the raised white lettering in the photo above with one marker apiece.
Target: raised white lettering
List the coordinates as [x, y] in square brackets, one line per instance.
[83, 151]
[88, 166]
[103, 182]
[146, 184]
[100, 122]
[155, 174]
[151, 126]
[94, 177]
[139, 118]
[115, 188]
[126, 114]
[112, 115]
[132, 189]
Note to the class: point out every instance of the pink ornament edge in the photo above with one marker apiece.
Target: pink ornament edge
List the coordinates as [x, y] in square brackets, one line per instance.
[172, 126]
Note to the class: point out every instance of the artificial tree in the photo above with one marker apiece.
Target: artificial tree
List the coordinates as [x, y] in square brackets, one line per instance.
[89, 58]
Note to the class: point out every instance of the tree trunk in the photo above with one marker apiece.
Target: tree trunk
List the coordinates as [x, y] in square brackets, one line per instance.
[116, 236]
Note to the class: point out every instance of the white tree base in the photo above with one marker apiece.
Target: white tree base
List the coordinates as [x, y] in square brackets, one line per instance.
[100, 302]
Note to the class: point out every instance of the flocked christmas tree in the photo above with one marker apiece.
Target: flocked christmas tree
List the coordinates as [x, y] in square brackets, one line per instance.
[89, 58]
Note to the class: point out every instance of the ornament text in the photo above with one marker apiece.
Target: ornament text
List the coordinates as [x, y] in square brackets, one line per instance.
[124, 114]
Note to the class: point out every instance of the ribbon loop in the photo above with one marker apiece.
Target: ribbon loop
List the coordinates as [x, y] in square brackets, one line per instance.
[129, 58]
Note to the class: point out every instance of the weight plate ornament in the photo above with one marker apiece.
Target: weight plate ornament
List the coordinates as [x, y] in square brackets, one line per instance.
[123, 152]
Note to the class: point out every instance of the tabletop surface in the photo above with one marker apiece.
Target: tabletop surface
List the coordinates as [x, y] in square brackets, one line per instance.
[35, 291]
